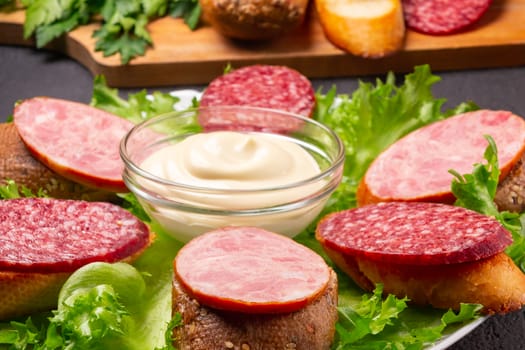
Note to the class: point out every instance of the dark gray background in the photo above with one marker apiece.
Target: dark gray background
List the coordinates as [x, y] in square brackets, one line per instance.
[26, 72]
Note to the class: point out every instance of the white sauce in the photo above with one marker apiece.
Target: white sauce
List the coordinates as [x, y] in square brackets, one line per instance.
[230, 160]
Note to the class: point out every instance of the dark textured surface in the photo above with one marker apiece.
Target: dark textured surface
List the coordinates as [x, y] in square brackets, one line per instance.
[26, 72]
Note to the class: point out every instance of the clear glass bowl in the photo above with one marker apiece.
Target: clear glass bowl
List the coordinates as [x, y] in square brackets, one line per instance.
[176, 207]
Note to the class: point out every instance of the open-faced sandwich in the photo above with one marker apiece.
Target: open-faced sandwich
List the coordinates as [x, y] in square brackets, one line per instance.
[247, 288]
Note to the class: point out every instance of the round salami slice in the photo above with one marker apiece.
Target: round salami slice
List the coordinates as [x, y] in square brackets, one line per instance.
[416, 167]
[265, 86]
[439, 17]
[413, 233]
[75, 140]
[250, 270]
[41, 235]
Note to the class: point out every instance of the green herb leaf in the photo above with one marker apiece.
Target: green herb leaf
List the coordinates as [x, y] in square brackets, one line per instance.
[49, 19]
[189, 10]
[476, 191]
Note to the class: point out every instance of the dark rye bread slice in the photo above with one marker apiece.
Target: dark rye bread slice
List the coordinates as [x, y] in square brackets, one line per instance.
[204, 328]
[432, 253]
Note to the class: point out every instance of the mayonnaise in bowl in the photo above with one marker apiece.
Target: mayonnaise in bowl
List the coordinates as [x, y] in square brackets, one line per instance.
[192, 182]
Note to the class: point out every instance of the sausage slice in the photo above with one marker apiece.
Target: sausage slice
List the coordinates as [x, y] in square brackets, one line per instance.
[250, 270]
[75, 140]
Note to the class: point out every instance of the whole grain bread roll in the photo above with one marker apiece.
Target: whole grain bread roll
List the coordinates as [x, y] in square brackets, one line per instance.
[254, 19]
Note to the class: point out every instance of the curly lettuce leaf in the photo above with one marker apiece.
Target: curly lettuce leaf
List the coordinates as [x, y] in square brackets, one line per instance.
[476, 191]
[12, 190]
[93, 312]
[136, 108]
[387, 323]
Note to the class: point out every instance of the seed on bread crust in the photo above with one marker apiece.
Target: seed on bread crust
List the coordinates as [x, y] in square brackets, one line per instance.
[254, 19]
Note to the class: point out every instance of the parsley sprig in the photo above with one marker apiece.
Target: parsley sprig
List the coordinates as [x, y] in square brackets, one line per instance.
[123, 28]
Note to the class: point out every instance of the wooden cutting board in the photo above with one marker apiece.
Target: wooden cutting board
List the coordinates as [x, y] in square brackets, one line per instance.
[183, 57]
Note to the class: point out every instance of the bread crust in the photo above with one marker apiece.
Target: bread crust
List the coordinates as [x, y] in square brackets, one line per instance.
[495, 282]
[510, 194]
[254, 19]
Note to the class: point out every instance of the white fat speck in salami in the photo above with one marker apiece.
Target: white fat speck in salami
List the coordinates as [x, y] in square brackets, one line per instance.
[440, 17]
[75, 140]
[247, 269]
[417, 166]
[54, 235]
[413, 233]
[266, 86]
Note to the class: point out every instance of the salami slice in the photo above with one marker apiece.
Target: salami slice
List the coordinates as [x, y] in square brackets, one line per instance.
[413, 233]
[250, 270]
[75, 140]
[438, 17]
[265, 86]
[53, 235]
[416, 168]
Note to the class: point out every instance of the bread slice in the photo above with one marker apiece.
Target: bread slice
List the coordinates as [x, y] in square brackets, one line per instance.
[367, 28]
[494, 282]
[312, 327]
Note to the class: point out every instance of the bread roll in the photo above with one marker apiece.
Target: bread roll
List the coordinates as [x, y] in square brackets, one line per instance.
[254, 19]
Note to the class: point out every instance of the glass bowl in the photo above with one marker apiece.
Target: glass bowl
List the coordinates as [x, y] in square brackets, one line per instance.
[187, 209]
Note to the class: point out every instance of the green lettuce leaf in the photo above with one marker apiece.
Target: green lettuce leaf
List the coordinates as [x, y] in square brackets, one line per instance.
[136, 108]
[476, 191]
[12, 190]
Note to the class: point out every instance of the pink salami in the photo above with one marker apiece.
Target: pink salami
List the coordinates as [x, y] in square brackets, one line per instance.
[250, 270]
[75, 140]
[265, 86]
[416, 168]
[43, 235]
[438, 17]
[413, 233]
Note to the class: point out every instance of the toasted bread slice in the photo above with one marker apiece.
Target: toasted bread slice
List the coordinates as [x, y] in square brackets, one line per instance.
[494, 282]
[367, 28]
